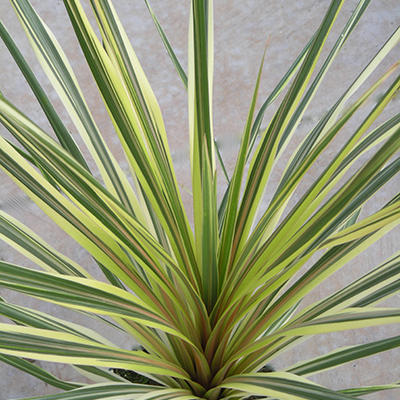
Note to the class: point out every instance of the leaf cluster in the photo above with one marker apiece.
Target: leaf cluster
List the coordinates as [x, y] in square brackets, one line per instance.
[215, 299]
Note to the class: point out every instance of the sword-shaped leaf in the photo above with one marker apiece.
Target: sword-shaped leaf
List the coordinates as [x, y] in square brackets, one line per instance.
[61, 75]
[122, 391]
[343, 355]
[163, 197]
[38, 372]
[63, 347]
[281, 385]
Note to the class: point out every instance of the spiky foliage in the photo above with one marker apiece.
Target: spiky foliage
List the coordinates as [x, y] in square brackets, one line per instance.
[211, 305]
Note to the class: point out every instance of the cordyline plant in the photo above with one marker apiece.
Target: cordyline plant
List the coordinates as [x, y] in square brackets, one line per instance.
[214, 304]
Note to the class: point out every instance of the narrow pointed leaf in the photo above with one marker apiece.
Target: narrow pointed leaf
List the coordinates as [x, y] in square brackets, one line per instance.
[343, 355]
[63, 347]
[283, 386]
[38, 372]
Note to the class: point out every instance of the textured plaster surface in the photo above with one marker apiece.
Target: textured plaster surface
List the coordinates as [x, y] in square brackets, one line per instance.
[242, 30]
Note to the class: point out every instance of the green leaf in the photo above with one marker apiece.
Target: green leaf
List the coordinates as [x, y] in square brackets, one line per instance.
[347, 319]
[209, 240]
[214, 300]
[264, 156]
[172, 55]
[91, 203]
[82, 294]
[326, 122]
[281, 385]
[164, 197]
[124, 391]
[342, 38]
[64, 347]
[35, 248]
[361, 391]
[63, 135]
[38, 372]
[25, 316]
[342, 356]
[60, 73]
[231, 216]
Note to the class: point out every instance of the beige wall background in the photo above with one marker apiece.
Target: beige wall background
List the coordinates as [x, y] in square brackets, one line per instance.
[242, 29]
